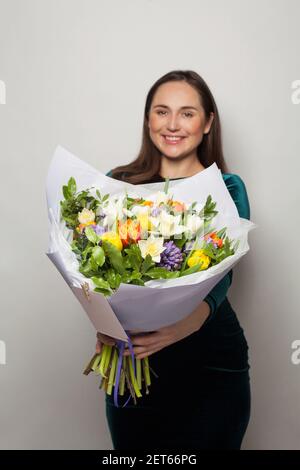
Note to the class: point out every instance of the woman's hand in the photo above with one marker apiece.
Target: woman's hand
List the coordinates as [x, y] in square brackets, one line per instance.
[150, 343]
[104, 339]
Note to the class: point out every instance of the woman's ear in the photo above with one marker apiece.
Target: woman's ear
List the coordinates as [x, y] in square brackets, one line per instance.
[209, 123]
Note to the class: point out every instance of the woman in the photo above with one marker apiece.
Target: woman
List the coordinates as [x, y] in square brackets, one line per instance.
[201, 398]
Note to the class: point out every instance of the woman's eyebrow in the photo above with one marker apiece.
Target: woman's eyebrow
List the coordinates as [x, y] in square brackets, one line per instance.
[182, 107]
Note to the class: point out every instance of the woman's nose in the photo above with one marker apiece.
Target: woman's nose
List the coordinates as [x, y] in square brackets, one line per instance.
[173, 123]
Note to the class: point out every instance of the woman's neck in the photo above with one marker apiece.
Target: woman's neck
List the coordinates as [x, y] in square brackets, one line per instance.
[179, 169]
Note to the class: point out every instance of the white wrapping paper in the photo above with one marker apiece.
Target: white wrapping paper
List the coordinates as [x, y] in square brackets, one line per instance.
[159, 302]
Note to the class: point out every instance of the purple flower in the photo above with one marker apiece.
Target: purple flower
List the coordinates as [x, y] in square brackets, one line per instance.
[98, 229]
[155, 211]
[171, 258]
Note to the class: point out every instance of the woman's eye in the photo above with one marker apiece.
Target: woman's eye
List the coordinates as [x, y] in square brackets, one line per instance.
[187, 114]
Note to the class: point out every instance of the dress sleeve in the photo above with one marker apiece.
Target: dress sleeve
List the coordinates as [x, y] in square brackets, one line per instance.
[238, 192]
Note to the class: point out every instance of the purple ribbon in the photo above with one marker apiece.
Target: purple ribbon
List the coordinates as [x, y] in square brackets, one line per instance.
[121, 346]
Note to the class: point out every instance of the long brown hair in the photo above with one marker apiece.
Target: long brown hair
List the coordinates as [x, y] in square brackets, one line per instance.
[147, 163]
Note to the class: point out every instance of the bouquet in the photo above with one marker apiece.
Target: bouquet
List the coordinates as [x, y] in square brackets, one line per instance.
[144, 243]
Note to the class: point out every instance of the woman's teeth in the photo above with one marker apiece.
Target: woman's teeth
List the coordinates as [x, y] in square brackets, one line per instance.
[172, 139]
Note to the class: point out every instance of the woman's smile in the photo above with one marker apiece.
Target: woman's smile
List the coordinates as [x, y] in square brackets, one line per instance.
[172, 140]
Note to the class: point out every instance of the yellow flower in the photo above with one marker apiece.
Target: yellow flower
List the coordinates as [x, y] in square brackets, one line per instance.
[199, 257]
[113, 238]
[144, 221]
[152, 246]
[86, 216]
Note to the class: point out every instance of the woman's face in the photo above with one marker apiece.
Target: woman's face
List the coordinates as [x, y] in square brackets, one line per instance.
[176, 111]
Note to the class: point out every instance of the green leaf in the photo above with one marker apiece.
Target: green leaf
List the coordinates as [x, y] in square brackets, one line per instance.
[91, 235]
[179, 242]
[191, 270]
[72, 185]
[88, 249]
[221, 233]
[86, 268]
[135, 275]
[105, 292]
[66, 193]
[114, 255]
[100, 282]
[138, 282]
[113, 278]
[134, 256]
[146, 264]
[158, 273]
[71, 220]
[98, 255]
[94, 265]
[209, 211]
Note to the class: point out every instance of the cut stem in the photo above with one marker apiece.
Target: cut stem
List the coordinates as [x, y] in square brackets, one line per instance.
[112, 372]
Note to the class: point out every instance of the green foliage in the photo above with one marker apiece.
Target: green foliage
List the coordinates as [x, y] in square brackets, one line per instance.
[91, 235]
[98, 255]
[161, 273]
[208, 212]
[107, 266]
[179, 242]
[191, 270]
[100, 282]
[114, 256]
[147, 264]
[134, 257]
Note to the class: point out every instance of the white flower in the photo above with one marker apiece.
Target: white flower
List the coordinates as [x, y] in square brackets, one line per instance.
[127, 212]
[86, 216]
[193, 222]
[153, 246]
[168, 224]
[140, 209]
[113, 211]
[159, 197]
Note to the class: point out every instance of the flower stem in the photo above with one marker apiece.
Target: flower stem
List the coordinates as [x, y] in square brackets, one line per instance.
[138, 373]
[90, 365]
[112, 372]
[146, 371]
[108, 356]
[129, 384]
[133, 379]
[100, 367]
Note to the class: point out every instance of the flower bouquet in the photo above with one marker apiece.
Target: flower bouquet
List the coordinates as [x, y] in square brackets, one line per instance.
[130, 246]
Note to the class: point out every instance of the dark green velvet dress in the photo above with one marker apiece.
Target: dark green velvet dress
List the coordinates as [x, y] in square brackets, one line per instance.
[201, 399]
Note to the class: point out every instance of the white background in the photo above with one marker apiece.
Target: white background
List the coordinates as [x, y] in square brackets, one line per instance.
[77, 74]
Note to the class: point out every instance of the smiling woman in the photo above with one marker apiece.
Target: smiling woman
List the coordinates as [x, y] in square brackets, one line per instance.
[179, 104]
[181, 137]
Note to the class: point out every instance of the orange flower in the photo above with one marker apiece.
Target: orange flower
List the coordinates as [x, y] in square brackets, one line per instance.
[219, 242]
[130, 230]
[147, 203]
[177, 205]
[215, 238]
[80, 227]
